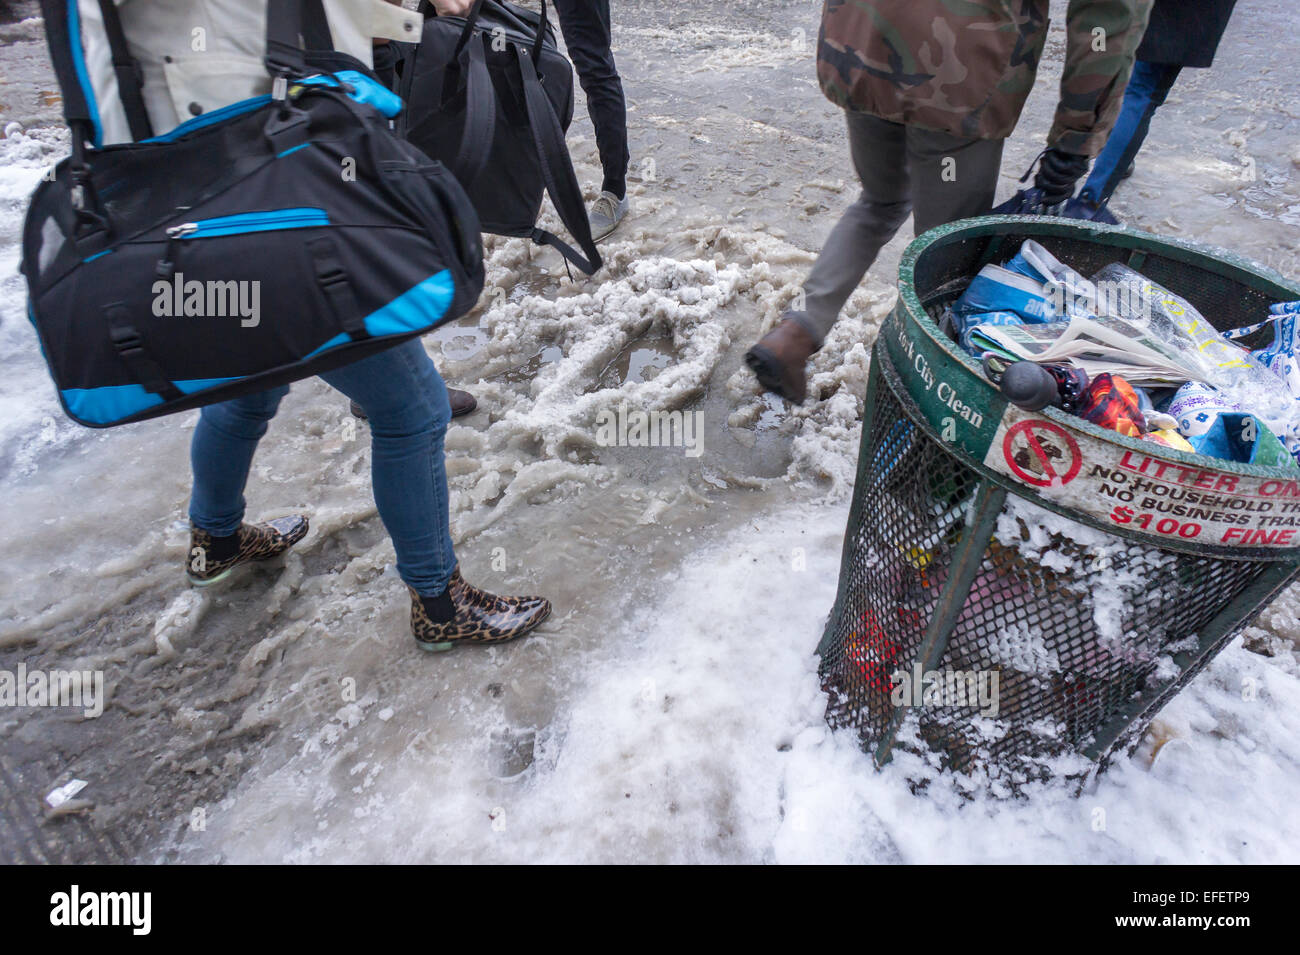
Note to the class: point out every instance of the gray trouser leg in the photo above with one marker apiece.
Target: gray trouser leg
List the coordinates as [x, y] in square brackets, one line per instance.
[952, 178]
[879, 151]
[899, 167]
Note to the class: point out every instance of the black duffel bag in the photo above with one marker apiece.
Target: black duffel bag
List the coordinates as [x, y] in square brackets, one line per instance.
[264, 242]
[491, 95]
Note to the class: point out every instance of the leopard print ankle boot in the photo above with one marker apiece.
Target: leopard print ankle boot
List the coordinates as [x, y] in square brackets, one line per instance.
[479, 618]
[212, 559]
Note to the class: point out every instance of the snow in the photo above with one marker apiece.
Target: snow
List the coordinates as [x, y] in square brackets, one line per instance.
[700, 738]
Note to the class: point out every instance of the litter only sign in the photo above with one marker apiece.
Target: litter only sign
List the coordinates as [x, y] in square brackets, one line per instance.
[1143, 492]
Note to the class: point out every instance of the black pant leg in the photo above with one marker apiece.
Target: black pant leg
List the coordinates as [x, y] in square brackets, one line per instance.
[587, 34]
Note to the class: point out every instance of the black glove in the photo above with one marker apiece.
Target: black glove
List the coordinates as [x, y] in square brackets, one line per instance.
[1058, 172]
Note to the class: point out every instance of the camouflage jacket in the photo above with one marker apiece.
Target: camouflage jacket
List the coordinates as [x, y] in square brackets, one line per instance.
[966, 67]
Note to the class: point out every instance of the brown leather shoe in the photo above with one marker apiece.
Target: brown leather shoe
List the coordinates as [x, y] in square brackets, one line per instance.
[780, 360]
[462, 403]
[466, 615]
[213, 558]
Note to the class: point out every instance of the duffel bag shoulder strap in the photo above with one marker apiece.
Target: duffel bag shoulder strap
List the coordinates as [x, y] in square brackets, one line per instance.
[557, 167]
[63, 34]
[284, 55]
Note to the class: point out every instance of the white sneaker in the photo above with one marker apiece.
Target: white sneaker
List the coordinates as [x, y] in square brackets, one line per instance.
[606, 213]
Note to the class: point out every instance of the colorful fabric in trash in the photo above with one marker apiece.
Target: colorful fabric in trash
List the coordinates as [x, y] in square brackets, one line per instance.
[1214, 423]
[1196, 405]
[1280, 358]
[1110, 402]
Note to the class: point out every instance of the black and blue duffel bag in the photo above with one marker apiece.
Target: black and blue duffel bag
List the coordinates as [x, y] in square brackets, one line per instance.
[255, 245]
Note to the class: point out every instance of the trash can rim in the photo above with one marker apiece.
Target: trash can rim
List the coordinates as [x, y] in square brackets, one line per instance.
[1268, 280]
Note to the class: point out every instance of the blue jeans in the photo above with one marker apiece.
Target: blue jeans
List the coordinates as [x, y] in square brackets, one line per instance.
[406, 400]
[1146, 92]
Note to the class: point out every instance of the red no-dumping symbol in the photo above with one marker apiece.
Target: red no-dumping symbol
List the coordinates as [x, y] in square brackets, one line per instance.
[1041, 453]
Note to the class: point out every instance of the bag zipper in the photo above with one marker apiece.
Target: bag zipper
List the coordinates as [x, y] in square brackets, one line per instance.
[241, 223]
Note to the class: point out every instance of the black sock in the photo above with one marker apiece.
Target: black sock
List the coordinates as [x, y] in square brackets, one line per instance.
[440, 608]
[222, 548]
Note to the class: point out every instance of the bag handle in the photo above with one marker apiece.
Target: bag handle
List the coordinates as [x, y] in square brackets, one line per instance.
[557, 170]
[468, 29]
[471, 20]
[480, 118]
[1276, 313]
[288, 22]
[541, 36]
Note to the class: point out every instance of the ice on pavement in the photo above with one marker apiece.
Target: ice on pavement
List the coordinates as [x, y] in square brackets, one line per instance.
[670, 710]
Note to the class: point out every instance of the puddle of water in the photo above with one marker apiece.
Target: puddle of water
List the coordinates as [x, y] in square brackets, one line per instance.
[640, 360]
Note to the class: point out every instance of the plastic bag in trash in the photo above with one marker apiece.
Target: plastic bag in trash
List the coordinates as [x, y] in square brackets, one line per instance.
[1156, 420]
[1175, 322]
[1068, 291]
[996, 289]
[967, 337]
[1280, 357]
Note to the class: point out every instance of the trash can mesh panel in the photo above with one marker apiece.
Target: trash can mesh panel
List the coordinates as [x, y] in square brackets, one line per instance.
[912, 502]
[1070, 621]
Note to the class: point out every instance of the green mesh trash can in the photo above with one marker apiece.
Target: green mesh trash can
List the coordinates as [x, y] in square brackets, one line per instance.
[1016, 586]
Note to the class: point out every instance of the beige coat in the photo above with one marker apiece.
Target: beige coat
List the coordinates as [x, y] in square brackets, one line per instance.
[198, 55]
